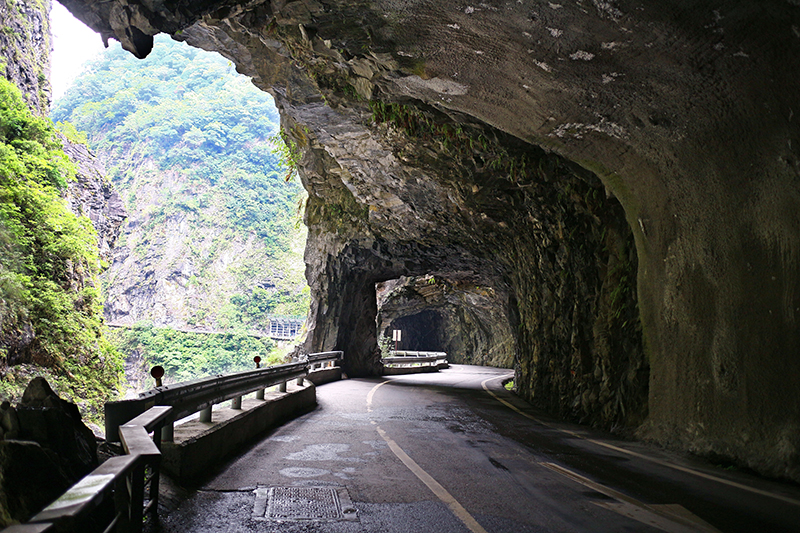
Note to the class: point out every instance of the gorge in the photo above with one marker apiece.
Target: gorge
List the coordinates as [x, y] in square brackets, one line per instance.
[608, 188]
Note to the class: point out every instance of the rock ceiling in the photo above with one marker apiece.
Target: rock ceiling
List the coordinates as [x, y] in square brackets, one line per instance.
[623, 176]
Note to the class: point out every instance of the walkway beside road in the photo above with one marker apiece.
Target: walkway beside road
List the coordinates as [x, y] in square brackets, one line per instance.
[454, 452]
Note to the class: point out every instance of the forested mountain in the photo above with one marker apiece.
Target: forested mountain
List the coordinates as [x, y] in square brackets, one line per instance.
[213, 240]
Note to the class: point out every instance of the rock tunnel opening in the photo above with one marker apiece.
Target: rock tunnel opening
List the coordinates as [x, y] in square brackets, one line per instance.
[705, 179]
[421, 332]
[534, 258]
[527, 255]
[451, 312]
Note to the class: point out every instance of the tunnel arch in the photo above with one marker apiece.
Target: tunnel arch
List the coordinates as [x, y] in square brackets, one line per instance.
[449, 312]
[691, 140]
[422, 331]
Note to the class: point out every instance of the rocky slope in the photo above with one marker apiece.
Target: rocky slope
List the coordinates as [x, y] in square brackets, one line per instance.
[92, 195]
[621, 174]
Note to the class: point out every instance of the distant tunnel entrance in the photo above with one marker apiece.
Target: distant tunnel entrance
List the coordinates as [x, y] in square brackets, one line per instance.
[421, 332]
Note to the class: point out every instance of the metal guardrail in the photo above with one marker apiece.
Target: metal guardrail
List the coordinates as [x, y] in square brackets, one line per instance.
[404, 359]
[190, 397]
[131, 481]
[322, 360]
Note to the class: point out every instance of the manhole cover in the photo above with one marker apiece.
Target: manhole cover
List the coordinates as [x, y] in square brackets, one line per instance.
[303, 503]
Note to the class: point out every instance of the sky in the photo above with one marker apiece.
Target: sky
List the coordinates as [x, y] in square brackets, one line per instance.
[73, 45]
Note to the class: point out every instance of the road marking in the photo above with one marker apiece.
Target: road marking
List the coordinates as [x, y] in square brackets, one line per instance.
[435, 487]
[372, 394]
[661, 462]
[669, 518]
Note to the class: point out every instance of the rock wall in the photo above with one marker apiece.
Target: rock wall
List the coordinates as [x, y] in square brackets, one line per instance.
[25, 48]
[92, 195]
[49, 306]
[598, 162]
[44, 449]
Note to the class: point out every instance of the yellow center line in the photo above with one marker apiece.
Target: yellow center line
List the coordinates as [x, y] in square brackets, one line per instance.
[434, 486]
[661, 462]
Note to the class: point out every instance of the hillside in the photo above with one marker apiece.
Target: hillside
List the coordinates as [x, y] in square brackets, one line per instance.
[213, 240]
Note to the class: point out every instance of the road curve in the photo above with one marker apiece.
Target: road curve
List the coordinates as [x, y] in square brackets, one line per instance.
[455, 452]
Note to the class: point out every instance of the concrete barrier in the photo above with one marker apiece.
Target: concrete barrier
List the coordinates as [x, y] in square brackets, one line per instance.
[199, 445]
[399, 371]
[320, 377]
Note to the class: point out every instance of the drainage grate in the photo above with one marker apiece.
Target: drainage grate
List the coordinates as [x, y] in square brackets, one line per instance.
[303, 503]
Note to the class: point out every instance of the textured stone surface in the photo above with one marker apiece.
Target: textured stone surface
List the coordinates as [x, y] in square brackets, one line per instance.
[31, 479]
[56, 425]
[51, 450]
[25, 49]
[92, 195]
[659, 144]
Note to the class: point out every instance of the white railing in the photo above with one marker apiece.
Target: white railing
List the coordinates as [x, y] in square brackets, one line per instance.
[408, 359]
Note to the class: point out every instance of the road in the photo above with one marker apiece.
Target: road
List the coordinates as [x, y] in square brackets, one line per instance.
[455, 452]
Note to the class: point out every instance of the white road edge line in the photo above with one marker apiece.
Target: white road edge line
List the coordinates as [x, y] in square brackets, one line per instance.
[724, 481]
[435, 487]
[669, 518]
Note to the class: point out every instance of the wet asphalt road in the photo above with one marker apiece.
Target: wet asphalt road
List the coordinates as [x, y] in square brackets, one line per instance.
[441, 453]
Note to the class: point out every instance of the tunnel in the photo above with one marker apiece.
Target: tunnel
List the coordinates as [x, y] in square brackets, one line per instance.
[421, 332]
[618, 184]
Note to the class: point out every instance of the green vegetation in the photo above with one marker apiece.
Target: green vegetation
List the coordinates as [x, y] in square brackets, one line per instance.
[457, 141]
[195, 150]
[49, 265]
[187, 356]
[288, 153]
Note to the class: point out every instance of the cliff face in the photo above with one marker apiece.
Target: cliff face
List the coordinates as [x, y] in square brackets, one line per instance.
[178, 268]
[25, 46]
[213, 241]
[50, 309]
[621, 175]
[92, 195]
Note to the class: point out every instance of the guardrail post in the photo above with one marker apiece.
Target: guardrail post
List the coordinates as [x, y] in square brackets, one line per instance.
[136, 502]
[205, 414]
[236, 403]
[260, 394]
[118, 413]
[122, 504]
[299, 382]
[282, 387]
[167, 432]
[155, 474]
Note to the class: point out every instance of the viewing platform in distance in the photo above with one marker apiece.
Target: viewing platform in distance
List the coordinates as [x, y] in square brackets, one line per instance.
[285, 327]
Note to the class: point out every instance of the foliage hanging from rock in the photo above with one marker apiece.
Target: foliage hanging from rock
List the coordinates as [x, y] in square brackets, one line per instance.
[50, 303]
